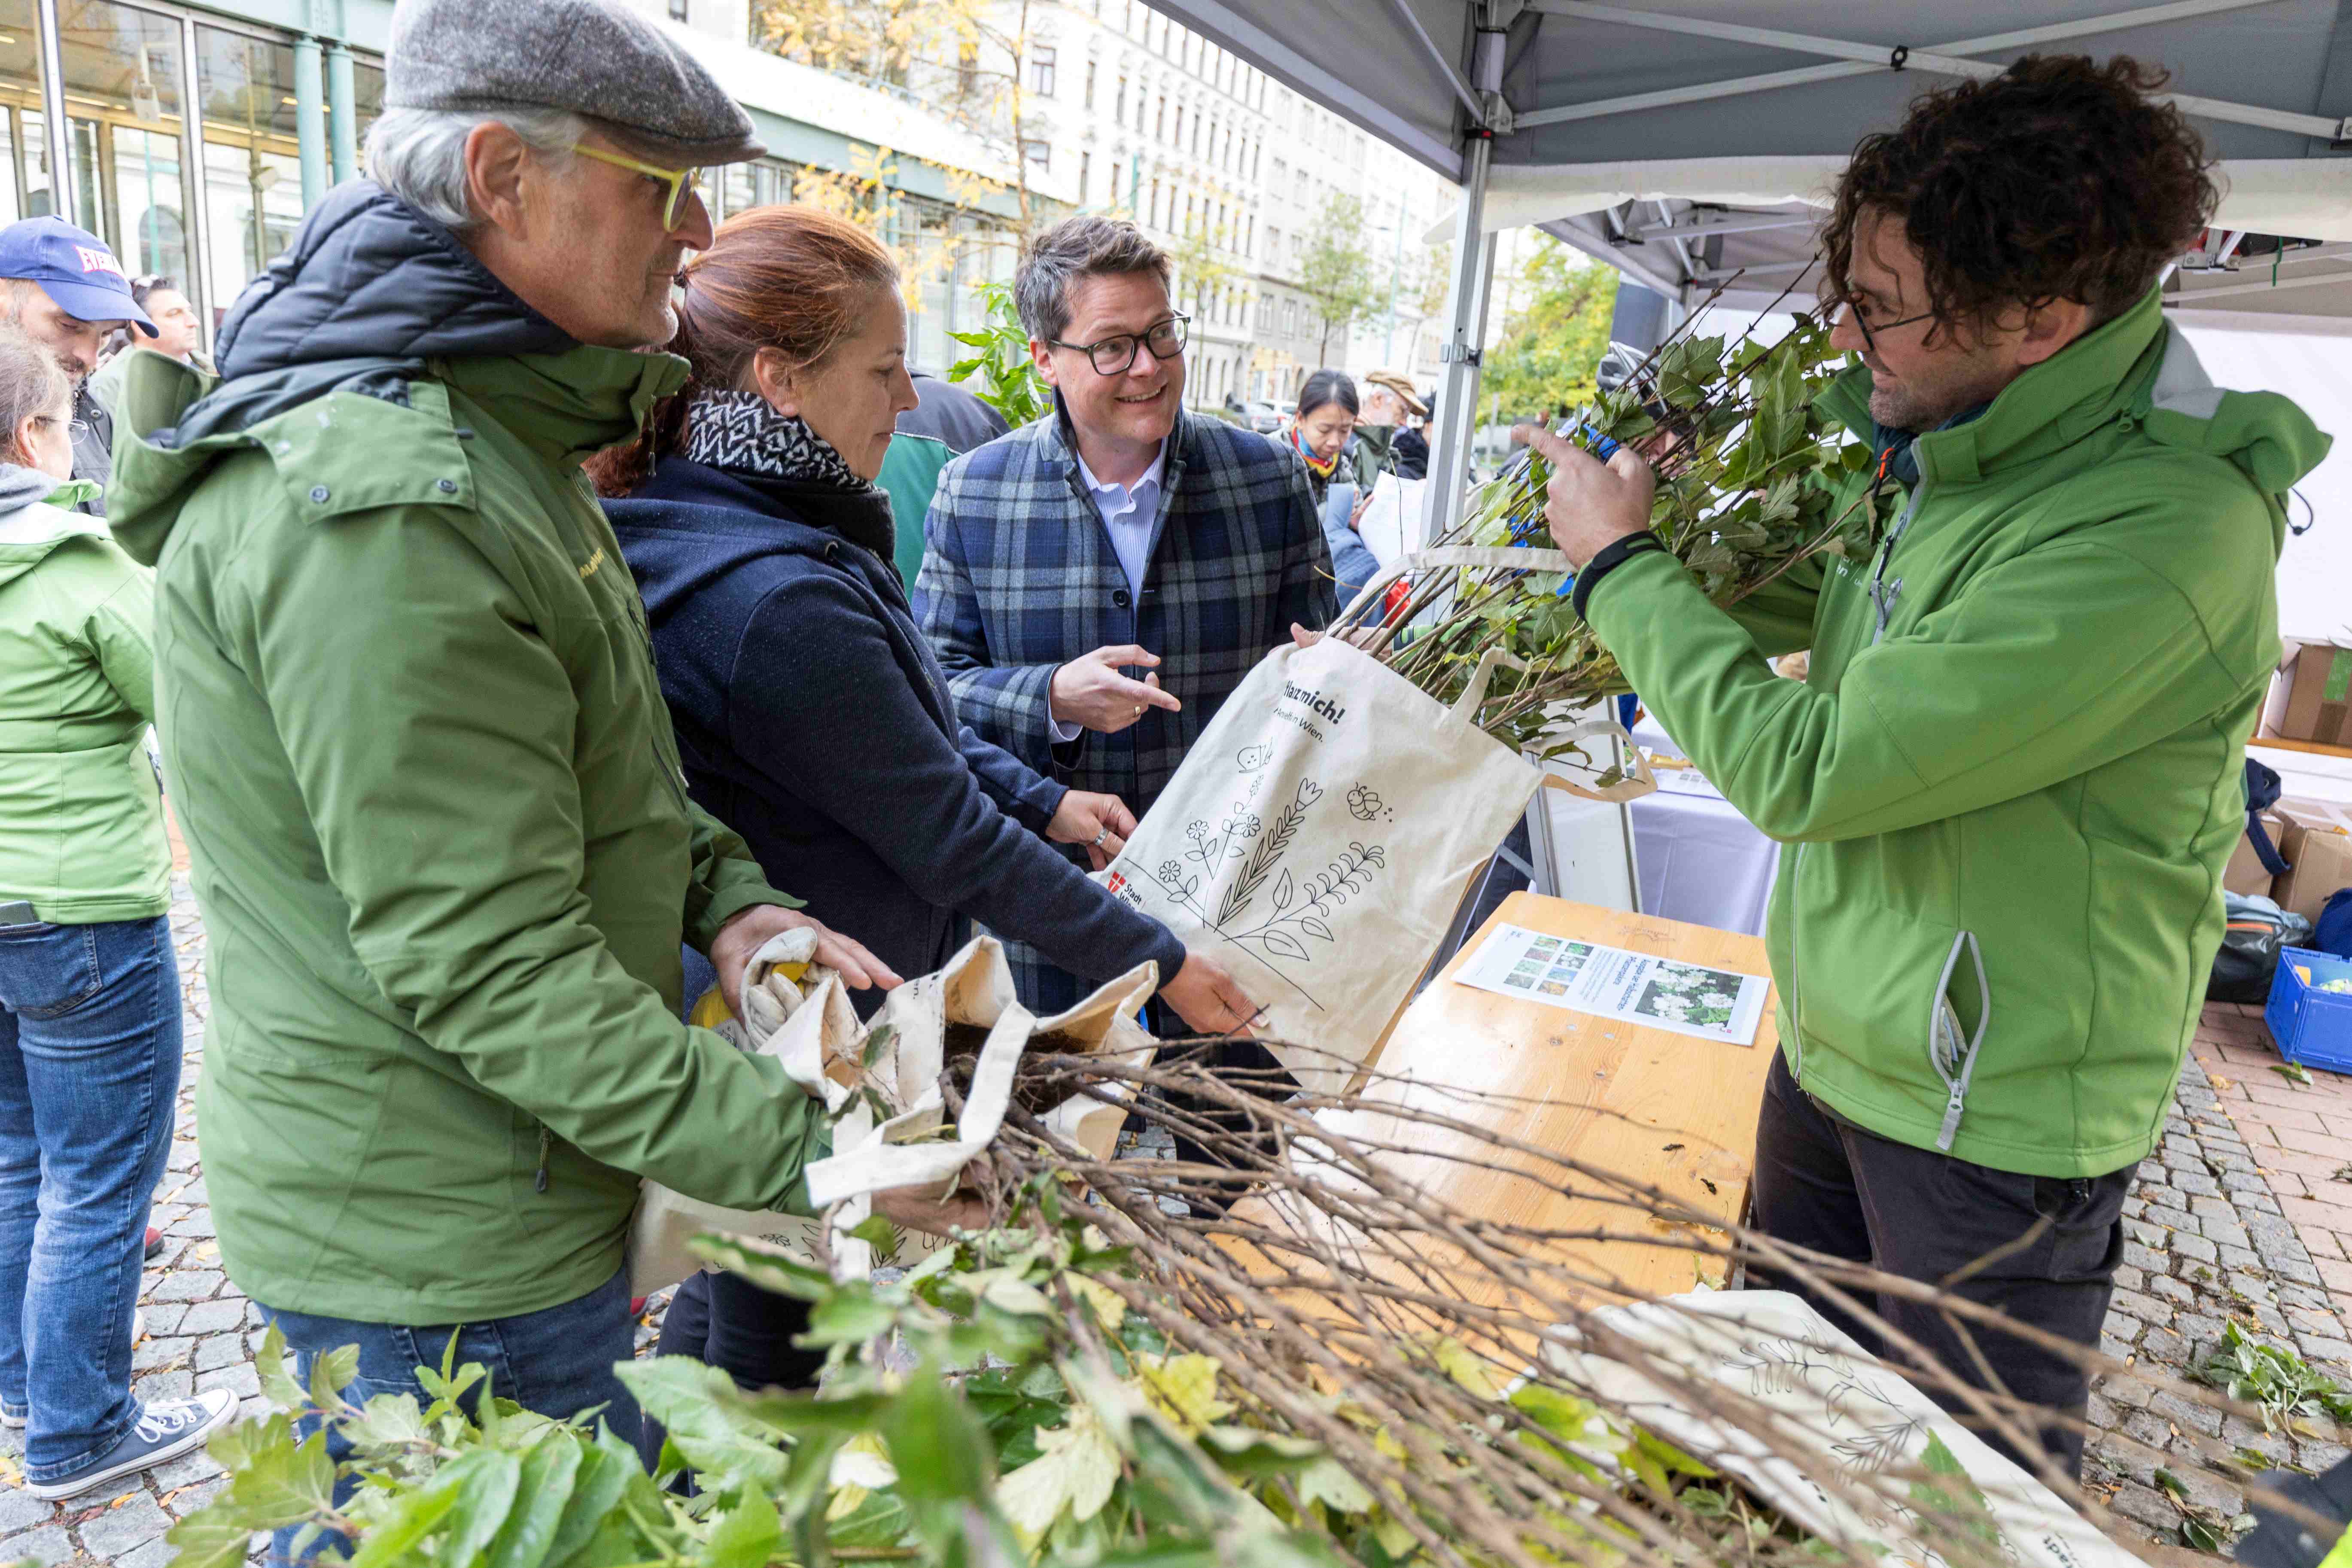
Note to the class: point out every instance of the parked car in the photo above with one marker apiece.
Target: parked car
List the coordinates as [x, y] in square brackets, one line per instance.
[1266, 418]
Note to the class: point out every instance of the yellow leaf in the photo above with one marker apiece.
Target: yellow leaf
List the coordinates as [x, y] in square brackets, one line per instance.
[1110, 1307]
[1184, 1389]
[1458, 1361]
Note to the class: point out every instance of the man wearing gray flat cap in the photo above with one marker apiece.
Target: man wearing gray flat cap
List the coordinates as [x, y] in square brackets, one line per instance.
[441, 841]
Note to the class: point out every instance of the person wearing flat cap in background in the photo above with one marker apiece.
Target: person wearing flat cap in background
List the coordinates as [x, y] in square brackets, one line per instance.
[441, 843]
[1387, 399]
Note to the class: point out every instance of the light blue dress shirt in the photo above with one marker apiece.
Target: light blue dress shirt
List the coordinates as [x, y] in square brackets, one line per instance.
[1127, 512]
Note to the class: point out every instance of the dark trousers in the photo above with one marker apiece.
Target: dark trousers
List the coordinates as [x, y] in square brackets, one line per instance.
[745, 1331]
[557, 1361]
[1826, 1185]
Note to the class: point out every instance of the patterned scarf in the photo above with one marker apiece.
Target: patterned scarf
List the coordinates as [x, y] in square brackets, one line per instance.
[780, 456]
[740, 431]
[1320, 466]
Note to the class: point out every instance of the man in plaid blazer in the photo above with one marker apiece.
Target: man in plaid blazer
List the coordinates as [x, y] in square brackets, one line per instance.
[1118, 533]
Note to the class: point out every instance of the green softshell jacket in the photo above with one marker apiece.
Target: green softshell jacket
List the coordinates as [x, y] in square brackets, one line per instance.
[441, 840]
[2012, 779]
[81, 817]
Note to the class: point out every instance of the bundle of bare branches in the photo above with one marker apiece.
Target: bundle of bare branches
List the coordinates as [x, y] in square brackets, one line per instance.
[1383, 1272]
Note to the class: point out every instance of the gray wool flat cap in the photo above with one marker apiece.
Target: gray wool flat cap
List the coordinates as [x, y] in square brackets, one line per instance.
[589, 57]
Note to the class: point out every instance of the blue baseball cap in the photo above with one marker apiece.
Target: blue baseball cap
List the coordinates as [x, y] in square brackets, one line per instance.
[73, 267]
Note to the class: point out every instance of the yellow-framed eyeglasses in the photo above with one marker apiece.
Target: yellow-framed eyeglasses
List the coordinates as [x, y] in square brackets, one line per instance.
[682, 182]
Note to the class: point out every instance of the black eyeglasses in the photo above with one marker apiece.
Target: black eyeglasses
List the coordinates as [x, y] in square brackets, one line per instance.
[1112, 356]
[1846, 307]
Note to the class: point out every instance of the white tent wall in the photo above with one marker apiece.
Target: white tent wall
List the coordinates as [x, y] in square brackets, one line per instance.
[2314, 581]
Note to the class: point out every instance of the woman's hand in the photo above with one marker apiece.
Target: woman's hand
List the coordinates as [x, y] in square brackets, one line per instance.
[1100, 823]
[1207, 997]
[749, 932]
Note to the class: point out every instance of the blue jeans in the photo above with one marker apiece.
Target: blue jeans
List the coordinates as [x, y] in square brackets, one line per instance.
[557, 1361]
[89, 1072]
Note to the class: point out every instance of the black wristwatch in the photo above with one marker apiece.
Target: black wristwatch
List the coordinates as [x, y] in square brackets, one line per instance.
[1612, 555]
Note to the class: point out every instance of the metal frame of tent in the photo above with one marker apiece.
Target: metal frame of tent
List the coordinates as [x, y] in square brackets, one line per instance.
[1481, 91]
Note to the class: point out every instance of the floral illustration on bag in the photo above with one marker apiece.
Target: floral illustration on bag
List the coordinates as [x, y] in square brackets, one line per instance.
[1282, 931]
[1297, 910]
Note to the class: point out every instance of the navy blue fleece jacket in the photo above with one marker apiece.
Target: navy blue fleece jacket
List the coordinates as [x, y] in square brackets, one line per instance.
[813, 719]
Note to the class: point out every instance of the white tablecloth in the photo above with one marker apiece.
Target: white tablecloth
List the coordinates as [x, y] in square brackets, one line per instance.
[1701, 861]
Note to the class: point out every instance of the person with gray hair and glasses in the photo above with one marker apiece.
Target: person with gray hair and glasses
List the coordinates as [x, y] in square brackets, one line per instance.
[444, 855]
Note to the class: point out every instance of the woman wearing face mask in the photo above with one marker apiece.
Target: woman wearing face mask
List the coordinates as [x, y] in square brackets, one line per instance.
[89, 992]
[1319, 433]
[813, 716]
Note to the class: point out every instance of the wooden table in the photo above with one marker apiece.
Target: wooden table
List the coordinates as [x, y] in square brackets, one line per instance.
[1666, 1110]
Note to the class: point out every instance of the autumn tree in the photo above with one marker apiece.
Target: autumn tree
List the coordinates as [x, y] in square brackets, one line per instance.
[1554, 334]
[1335, 270]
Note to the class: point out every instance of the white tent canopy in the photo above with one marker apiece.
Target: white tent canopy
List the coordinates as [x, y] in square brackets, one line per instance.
[1609, 125]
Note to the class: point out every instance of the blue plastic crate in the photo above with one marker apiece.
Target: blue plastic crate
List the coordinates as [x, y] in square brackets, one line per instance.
[2311, 1026]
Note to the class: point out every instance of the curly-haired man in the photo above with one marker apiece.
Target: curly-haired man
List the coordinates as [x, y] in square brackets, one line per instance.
[2011, 776]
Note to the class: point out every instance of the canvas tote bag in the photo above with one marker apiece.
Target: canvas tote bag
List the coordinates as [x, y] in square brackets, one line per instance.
[892, 1063]
[1324, 828]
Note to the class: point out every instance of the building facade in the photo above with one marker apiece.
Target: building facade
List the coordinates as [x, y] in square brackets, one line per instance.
[193, 138]
[1233, 173]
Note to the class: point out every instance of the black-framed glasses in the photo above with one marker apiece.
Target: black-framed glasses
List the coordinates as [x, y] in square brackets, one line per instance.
[1847, 307]
[1113, 355]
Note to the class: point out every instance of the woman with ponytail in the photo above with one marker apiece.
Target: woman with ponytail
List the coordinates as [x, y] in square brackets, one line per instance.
[810, 711]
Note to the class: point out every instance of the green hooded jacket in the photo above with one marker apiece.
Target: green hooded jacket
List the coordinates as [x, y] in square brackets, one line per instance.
[440, 837]
[2012, 778]
[81, 819]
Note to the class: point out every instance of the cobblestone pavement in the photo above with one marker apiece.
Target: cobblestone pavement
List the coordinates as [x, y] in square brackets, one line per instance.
[2205, 1243]
[2208, 1242]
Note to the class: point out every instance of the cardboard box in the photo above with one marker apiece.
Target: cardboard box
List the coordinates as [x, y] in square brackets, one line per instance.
[2311, 698]
[2245, 873]
[2317, 843]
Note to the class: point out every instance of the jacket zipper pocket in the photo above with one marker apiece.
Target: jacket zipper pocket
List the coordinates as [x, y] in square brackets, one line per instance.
[546, 1142]
[1954, 1060]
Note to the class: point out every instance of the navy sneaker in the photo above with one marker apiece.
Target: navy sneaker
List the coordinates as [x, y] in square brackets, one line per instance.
[167, 1431]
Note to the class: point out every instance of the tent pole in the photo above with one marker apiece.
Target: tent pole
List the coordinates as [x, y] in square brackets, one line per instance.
[1456, 415]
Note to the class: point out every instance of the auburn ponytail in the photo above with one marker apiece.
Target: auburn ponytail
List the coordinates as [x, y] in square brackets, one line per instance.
[791, 278]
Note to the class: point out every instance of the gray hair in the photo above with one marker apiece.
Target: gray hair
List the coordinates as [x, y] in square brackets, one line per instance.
[1087, 246]
[419, 155]
[31, 383]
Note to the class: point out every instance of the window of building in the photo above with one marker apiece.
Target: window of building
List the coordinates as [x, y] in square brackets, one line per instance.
[1179, 125]
[26, 190]
[677, 10]
[252, 161]
[1086, 175]
[1039, 152]
[1041, 70]
[1160, 119]
[1090, 84]
[1154, 213]
[1119, 102]
[125, 133]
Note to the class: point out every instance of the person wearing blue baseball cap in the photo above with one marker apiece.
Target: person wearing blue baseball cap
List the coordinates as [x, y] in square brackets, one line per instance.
[66, 292]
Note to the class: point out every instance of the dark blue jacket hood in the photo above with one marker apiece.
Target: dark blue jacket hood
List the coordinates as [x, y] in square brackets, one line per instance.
[813, 719]
[689, 526]
[369, 290]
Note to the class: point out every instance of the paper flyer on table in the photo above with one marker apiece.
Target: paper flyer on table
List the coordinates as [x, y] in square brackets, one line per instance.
[1638, 987]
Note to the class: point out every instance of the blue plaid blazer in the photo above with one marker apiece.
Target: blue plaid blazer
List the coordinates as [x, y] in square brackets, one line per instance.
[1018, 577]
